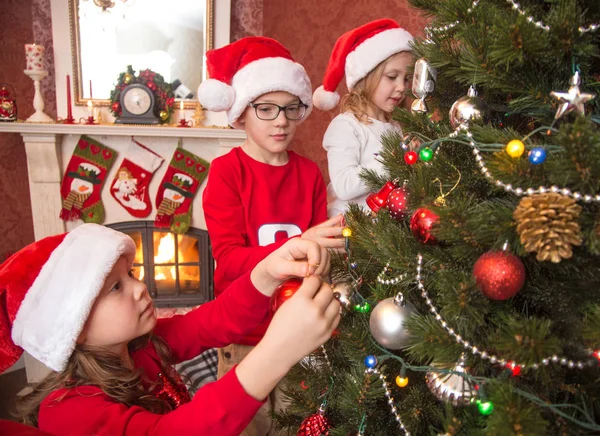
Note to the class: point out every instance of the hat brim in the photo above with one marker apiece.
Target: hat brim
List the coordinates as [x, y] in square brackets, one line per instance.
[75, 175]
[186, 194]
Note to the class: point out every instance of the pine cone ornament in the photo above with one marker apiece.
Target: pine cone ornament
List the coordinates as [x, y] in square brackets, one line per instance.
[547, 225]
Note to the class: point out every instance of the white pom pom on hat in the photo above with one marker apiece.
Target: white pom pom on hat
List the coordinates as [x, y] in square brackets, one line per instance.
[248, 68]
[356, 53]
[215, 95]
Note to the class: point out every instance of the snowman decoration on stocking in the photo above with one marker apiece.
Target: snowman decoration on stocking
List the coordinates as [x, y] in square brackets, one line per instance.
[175, 193]
[81, 188]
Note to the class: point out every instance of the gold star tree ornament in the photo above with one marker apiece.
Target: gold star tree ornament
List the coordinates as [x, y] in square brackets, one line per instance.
[573, 99]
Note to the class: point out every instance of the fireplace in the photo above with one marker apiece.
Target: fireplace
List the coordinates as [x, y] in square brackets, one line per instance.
[178, 269]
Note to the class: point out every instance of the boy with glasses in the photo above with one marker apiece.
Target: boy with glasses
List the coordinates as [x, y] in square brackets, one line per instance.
[260, 194]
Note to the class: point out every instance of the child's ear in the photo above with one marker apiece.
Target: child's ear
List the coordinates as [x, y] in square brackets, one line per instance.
[82, 336]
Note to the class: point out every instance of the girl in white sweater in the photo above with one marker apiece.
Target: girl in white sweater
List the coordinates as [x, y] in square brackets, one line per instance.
[376, 59]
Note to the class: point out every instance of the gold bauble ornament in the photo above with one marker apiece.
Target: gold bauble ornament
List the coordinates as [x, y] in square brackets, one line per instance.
[547, 225]
[127, 78]
[163, 115]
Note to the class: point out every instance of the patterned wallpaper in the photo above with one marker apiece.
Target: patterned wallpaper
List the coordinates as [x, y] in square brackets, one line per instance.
[17, 24]
[308, 28]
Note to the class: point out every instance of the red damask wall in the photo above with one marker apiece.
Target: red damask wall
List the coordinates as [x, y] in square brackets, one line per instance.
[21, 22]
[309, 28]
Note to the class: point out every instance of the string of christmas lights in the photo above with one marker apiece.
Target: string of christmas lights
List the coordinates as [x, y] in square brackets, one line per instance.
[577, 196]
[513, 365]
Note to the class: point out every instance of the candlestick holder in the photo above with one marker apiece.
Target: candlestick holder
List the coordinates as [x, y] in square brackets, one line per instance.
[68, 120]
[39, 116]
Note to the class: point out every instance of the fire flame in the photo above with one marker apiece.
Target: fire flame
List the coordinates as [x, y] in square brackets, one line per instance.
[165, 254]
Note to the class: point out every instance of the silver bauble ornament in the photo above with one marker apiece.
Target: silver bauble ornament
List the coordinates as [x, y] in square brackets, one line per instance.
[453, 388]
[342, 292]
[423, 85]
[387, 322]
[467, 109]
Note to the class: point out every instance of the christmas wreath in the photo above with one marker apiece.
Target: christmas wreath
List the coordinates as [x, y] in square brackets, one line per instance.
[163, 93]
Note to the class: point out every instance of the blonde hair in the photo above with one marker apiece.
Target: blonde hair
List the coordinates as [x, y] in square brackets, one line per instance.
[358, 100]
[88, 366]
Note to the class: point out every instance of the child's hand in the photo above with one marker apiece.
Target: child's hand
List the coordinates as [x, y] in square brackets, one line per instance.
[304, 322]
[296, 258]
[298, 328]
[328, 234]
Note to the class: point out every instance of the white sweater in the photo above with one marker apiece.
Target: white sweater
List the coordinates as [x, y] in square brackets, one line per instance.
[351, 147]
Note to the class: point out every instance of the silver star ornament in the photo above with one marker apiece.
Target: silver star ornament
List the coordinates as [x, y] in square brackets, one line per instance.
[573, 99]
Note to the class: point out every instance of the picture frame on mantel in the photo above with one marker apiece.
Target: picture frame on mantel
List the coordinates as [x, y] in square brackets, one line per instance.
[103, 37]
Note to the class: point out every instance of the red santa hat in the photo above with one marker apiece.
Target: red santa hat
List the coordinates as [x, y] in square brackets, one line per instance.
[48, 288]
[356, 53]
[248, 68]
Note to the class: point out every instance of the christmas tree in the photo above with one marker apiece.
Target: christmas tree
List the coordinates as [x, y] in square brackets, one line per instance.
[472, 292]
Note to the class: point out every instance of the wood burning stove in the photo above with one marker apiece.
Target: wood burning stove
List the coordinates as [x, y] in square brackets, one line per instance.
[178, 269]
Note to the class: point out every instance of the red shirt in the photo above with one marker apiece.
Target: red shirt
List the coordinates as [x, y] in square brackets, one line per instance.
[220, 408]
[252, 208]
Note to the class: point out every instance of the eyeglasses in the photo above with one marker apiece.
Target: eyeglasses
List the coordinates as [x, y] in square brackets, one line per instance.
[270, 111]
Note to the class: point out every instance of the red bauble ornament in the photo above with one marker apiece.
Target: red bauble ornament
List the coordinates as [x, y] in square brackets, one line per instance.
[377, 201]
[396, 203]
[421, 223]
[116, 106]
[499, 274]
[314, 425]
[411, 157]
[284, 292]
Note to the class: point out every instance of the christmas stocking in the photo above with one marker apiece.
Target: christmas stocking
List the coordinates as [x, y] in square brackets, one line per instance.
[185, 174]
[83, 180]
[130, 186]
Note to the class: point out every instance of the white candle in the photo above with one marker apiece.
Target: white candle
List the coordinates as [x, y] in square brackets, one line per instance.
[90, 109]
[34, 57]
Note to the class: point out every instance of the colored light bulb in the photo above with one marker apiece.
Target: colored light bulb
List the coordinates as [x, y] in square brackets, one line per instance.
[347, 232]
[370, 361]
[537, 156]
[426, 154]
[485, 408]
[401, 381]
[410, 157]
[515, 148]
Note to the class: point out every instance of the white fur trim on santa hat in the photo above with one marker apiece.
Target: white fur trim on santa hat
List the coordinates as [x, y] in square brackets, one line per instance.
[374, 51]
[269, 75]
[325, 100]
[215, 95]
[57, 305]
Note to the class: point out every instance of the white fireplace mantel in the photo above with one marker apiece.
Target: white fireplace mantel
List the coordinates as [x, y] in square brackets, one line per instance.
[48, 145]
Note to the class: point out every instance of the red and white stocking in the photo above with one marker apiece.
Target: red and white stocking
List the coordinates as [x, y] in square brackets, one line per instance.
[130, 185]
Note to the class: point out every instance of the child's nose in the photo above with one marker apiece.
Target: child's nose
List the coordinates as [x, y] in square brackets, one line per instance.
[281, 119]
[140, 290]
